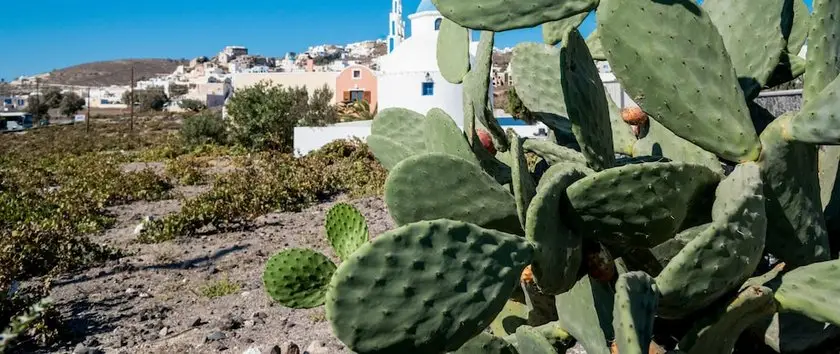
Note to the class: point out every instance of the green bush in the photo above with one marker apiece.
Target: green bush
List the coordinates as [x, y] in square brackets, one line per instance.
[192, 105]
[186, 170]
[264, 116]
[207, 127]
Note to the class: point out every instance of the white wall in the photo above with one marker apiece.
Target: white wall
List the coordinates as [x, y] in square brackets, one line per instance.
[404, 90]
[308, 139]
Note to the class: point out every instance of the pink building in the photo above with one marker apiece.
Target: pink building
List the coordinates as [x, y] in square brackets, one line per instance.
[356, 83]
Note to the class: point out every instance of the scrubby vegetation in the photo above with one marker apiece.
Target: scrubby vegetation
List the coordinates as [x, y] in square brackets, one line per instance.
[58, 185]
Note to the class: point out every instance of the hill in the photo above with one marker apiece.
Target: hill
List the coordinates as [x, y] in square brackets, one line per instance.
[115, 72]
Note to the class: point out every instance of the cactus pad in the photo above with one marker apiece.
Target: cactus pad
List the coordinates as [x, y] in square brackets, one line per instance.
[554, 31]
[524, 187]
[553, 153]
[502, 15]
[477, 93]
[689, 86]
[799, 27]
[640, 205]
[586, 102]
[636, 299]
[453, 51]
[512, 316]
[717, 333]
[347, 229]
[752, 34]
[819, 120]
[426, 287]
[486, 343]
[660, 141]
[536, 67]
[723, 255]
[443, 135]
[796, 231]
[623, 138]
[813, 291]
[823, 62]
[558, 251]
[529, 340]
[595, 47]
[434, 186]
[586, 313]
[298, 278]
[401, 125]
[389, 152]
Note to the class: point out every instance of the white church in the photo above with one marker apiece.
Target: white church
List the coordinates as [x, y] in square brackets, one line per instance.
[409, 76]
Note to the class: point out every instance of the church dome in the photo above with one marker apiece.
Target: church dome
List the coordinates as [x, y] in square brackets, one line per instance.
[426, 5]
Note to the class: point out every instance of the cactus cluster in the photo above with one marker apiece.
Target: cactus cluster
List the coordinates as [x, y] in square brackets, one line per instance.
[706, 228]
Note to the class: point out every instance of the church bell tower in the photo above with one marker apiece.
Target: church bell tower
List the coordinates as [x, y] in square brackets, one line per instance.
[396, 26]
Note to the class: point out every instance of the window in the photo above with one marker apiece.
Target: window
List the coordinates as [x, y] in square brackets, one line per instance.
[357, 74]
[357, 95]
[428, 89]
[437, 24]
[390, 45]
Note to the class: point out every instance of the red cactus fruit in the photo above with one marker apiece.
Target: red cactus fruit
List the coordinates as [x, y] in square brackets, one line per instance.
[486, 141]
[527, 276]
[600, 264]
[634, 116]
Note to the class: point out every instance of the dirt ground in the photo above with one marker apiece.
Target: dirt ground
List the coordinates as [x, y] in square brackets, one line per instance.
[155, 300]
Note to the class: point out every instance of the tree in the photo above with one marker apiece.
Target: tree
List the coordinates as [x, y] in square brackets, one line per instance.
[192, 105]
[52, 97]
[176, 90]
[264, 116]
[39, 109]
[207, 127]
[517, 109]
[150, 99]
[71, 103]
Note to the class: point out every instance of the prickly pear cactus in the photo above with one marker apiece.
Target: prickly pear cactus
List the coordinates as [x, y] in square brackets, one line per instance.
[710, 225]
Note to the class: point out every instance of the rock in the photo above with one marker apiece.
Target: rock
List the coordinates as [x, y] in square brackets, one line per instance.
[196, 323]
[130, 291]
[252, 350]
[290, 348]
[317, 347]
[260, 314]
[249, 323]
[216, 336]
[82, 349]
[164, 331]
[246, 293]
[230, 322]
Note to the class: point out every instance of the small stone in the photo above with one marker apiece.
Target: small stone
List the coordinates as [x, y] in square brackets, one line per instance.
[216, 336]
[220, 347]
[164, 331]
[260, 314]
[317, 347]
[196, 323]
[252, 350]
[145, 295]
[246, 293]
[249, 323]
[130, 291]
[290, 348]
[230, 322]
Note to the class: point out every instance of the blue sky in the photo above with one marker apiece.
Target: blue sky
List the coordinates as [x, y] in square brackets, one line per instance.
[57, 33]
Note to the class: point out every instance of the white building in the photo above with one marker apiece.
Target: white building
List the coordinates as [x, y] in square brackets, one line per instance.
[409, 75]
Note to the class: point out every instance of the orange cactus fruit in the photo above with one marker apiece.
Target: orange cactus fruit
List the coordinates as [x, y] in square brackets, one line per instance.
[634, 116]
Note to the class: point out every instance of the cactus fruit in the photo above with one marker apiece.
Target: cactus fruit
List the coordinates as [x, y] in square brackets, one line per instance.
[634, 116]
[486, 141]
[600, 265]
[527, 276]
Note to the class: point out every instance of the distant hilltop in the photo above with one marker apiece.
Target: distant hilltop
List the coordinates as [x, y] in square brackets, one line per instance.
[230, 60]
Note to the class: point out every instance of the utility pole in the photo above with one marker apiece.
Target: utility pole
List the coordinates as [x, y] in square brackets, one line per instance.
[37, 115]
[87, 119]
[131, 102]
